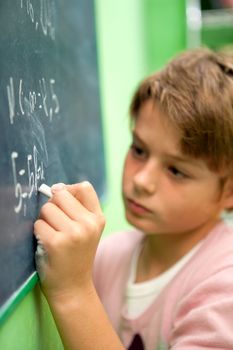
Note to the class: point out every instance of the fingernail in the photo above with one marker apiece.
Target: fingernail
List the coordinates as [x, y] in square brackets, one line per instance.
[57, 187]
[85, 183]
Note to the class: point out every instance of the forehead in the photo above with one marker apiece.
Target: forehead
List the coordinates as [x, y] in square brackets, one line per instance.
[154, 126]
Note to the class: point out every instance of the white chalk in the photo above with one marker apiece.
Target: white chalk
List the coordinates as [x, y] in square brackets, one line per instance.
[46, 190]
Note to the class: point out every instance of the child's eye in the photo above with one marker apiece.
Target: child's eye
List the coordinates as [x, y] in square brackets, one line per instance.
[137, 151]
[176, 172]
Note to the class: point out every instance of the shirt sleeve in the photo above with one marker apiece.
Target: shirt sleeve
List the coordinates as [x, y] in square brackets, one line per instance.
[204, 317]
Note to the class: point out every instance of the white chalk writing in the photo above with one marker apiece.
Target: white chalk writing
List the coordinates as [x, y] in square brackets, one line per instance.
[34, 173]
[41, 15]
[21, 99]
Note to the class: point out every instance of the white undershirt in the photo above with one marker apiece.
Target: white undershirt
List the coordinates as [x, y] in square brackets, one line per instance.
[139, 296]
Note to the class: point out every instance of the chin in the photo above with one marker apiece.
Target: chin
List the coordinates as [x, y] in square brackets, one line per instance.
[140, 223]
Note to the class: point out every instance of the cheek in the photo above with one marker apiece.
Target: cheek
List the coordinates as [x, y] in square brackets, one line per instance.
[193, 204]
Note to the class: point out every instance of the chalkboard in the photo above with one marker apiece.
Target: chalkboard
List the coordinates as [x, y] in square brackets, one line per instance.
[50, 121]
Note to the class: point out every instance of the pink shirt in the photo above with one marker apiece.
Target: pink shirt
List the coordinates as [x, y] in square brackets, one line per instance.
[193, 312]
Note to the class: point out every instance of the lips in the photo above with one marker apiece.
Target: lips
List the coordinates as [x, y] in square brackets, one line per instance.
[136, 208]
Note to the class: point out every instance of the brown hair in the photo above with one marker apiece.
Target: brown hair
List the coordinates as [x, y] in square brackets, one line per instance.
[195, 91]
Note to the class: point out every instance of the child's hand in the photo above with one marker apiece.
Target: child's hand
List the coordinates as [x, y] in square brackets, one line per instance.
[69, 229]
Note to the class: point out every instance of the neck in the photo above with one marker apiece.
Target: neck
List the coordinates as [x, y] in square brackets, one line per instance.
[161, 251]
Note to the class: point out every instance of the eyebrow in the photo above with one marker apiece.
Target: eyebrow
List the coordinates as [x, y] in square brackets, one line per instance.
[174, 157]
[137, 138]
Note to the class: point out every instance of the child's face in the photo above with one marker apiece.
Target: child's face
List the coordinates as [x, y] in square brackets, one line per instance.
[165, 191]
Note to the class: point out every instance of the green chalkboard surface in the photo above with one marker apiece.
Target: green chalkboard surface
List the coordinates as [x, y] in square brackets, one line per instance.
[50, 125]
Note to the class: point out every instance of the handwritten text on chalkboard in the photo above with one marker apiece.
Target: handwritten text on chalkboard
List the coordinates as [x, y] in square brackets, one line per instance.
[34, 171]
[28, 101]
[41, 19]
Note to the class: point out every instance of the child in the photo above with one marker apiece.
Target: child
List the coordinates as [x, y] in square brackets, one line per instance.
[167, 284]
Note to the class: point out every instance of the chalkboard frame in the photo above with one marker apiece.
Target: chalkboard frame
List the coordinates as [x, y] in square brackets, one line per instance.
[17, 297]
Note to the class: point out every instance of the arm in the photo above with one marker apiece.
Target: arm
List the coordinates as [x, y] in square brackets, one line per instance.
[69, 228]
[82, 322]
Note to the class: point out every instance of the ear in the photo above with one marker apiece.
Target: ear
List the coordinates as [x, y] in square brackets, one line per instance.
[227, 194]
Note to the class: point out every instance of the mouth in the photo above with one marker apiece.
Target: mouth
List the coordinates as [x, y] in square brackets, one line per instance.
[136, 207]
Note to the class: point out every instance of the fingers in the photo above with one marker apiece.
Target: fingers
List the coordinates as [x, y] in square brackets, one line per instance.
[72, 206]
[43, 232]
[56, 217]
[77, 201]
[69, 205]
[86, 195]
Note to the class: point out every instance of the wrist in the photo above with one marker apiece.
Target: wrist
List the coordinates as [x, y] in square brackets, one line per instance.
[66, 300]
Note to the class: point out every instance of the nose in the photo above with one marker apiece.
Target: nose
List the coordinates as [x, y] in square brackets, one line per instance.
[146, 179]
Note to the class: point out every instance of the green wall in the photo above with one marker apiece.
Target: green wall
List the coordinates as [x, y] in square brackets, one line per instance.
[134, 38]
